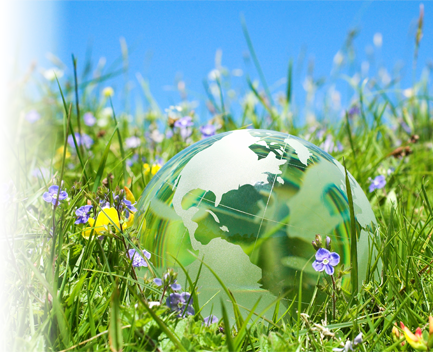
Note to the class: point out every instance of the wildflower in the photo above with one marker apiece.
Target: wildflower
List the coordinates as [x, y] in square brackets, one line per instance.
[208, 131]
[82, 139]
[83, 214]
[51, 195]
[138, 260]
[378, 183]
[132, 160]
[328, 145]
[326, 260]
[354, 110]
[349, 344]
[156, 136]
[416, 340]
[52, 73]
[211, 319]
[397, 335]
[152, 169]
[60, 150]
[132, 142]
[108, 216]
[169, 134]
[89, 119]
[180, 303]
[184, 125]
[105, 115]
[154, 304]
[41, 172]
[129, 195]
[108, 92]
[214, 75]
[129, 222]
[32, 116]
[129, 207]
[168, 280]
[377, 40]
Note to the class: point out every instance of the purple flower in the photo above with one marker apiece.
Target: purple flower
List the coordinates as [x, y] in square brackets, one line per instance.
[132, 160]
[208, 131]
[184, 125]
[169, 134]
[211, 319]
[354, 110]
[132, 142]
[51, 195]
[41, 172]
[89, 119]
[129, 207]
[378, 183]
[32, 116]
[326, 260]
[83, 214]
[167, 280]
[84, 139]
[180, 303]
[137, 260]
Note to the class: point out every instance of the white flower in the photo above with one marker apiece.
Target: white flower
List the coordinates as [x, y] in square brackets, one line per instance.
[377, 40]
[214, 75]
[132, 142]
[108, 92]
[156, 136]
[106, 115]
[51, 73]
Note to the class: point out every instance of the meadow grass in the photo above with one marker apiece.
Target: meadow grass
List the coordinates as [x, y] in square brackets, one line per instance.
[68, 293]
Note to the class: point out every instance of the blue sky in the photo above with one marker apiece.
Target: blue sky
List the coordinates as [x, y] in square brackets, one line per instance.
[179, 39]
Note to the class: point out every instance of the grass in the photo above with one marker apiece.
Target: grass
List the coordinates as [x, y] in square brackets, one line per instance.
[66, 293]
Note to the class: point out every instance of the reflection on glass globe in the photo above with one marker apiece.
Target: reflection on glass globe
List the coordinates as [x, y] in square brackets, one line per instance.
[249, 203]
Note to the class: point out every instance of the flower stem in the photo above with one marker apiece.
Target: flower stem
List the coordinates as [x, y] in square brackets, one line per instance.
[163, 294]
[333, 297]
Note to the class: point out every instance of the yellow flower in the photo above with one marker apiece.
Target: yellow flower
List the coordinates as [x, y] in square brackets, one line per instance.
[130, 221]
[415, 340]
[155, 168]
[146, 168]
[129, 195]
[105, 217]
[59, 152]
[108, 92]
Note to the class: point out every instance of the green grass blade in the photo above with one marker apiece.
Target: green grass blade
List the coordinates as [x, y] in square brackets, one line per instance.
[255, 60]
[227, 329]
[99, 173]
[115, 335]
[122, 151]
[353, 237]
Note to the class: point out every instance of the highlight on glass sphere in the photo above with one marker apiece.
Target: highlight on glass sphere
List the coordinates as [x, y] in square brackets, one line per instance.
[249, 204]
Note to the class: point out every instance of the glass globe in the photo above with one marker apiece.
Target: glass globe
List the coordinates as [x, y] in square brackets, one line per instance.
[249, 203]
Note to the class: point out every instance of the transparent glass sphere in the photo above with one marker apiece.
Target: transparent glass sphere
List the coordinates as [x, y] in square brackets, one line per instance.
[249, 203]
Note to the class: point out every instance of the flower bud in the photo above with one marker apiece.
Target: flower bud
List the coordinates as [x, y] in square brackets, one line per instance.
[315, 246]
[319, 240]
[328, 243]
